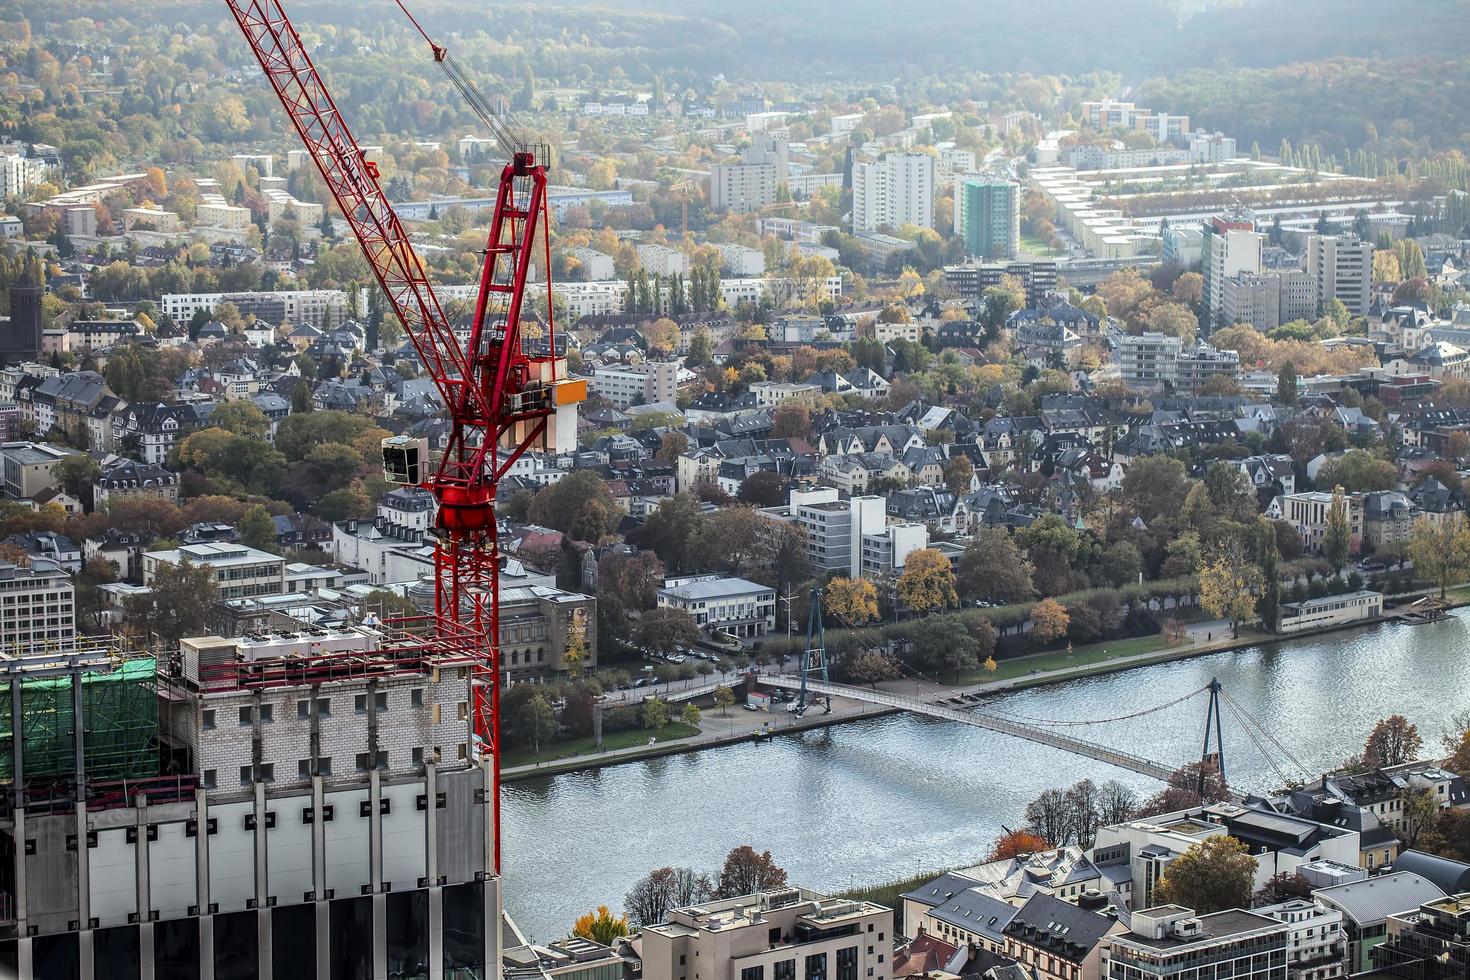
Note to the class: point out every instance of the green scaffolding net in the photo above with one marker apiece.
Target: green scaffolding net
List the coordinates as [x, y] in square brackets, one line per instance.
[119, 725]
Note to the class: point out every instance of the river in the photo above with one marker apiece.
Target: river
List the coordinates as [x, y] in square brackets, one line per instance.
[878, 799]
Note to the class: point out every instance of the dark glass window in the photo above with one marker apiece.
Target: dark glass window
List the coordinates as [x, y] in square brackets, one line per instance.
[464, 931]
[816, 966]
[236, 950]
[57, 956]
[293, 940]
[408, 935]
[784, 970]
[114, 954]
[176, 949]
[847, 963]
[753, 973]
[351, 946]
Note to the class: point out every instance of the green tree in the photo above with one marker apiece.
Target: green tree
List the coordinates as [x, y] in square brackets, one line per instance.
[724, 697]
[994, 569]
[1215, 874]
[1286, 384]
[870, 668]
[690, 715]
[665, 630]
[1337, 539]
[179, 603]
[257, 529]
[77, 473]
[1440, 550]
[242, 418]
[578, 504]
[535, 721]
[655, 714]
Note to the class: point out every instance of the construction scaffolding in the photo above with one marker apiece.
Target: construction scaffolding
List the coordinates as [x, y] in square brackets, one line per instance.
[117, 696]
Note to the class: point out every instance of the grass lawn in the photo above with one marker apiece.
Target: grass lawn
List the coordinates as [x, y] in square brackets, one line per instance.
[671, 732]
[1093, 653]
[1036, 246]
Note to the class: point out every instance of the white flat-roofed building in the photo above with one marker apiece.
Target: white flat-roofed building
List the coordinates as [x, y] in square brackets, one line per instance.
[239, 571]
[37, 606]
[734, 605]
[597, 265]
[1169, 939]
[1315, 942]
[663, 261]
[791, 934]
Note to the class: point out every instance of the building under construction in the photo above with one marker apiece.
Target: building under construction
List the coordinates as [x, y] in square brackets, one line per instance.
[300, 803]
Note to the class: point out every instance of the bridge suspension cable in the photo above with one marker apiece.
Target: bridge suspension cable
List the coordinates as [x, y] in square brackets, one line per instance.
[1266, 733]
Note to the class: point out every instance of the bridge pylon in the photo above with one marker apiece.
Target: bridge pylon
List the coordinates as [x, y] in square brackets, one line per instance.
[1212, 721]
[814, 655]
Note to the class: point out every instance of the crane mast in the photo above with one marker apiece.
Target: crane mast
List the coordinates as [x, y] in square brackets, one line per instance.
[500, 400]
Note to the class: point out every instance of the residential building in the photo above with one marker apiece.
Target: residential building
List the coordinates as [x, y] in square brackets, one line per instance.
[1343, 269]
[752, 183]
[239, 571]
[732, 605]
[1197, 364]
[971, 280]
[1211, 147]
[660, 260]
[1146, 361]
[1252, 299]
[1388, 519]
[892, 192]
[20, 333]
[626, 385]
[19, 174]
[123, 479]
[1366, 906]
[987, 215]
[325, 309]
[1316, 945]
[1230, 246]
[835, 528]
[1183, 246]
[37, 607]
[790, 934]
[1056, 940]
[970, 916]
[596, 265]
[1169, 940]
[152, 429]
[885, 551]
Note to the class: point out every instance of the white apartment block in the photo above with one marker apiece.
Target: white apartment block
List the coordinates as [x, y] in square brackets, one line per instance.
[37, 607]
[1267, 300]
[791, 934]
[1228, 250]
[155, 219]
[280, 204]
[741, 260]
[1147, 360]
[18, 174]
[894, 191]
[325, 309]
[1343, 269]
[835, 528]
[637, 384]
[215, 212]
[1316, 944]
[597, 265]
[663, 261]
[742, 187]
[240, 572]
[596, 298]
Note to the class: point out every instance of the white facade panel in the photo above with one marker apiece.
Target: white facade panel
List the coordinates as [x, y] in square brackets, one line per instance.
[172, 885]
[232, 857]
[113, 874]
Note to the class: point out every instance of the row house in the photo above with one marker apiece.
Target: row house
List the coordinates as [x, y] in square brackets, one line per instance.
[63, 402]
[938, 509]
[886, 440]
[855, 473]
[125, 479]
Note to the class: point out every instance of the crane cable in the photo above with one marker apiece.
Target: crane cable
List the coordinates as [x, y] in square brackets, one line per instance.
[498, 123]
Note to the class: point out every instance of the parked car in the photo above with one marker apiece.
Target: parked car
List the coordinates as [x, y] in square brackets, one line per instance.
[750, 707]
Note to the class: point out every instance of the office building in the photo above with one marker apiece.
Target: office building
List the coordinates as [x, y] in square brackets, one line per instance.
[835, 528]
[239, 571]
[1343, 269]
[325, 309]
[1230, 246]
[1183, 246]
[1366, 906]
[1427, 943]
[791, 934]
[738, 607]
[1169, 940]
[987, 215]
[1267, 300]
[1315, 942]
[25, 467]
[1307, 512]
[892, 192]
[324, 814]
[37, 607]
[1197, 364]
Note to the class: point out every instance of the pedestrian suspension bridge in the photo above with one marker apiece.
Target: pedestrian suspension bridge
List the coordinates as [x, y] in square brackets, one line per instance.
[815, 691]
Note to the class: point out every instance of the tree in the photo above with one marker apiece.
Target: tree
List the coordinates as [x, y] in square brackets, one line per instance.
[76, 473]
[853, 601]
[870, 668]
[959, 474]
[579, 504]
[992, 568]
[535, 721]
[665, 630]
[1283, 887]
[1046, 817]
[791, 420]
[180, 603]
[655, 714]
[1116, 803]
[649, 900]
[1440, 550]
[690, 715]
[1286, 384]
[746, 872]
[1155, 486]
[241, 418]
[257, 529]
[1229, 582]
[1337, 539]
[927, 581]
[673, 531]
[1049, 621]
[763, 488]
[724, 697]
[671, 445]
[601, 926]
[1358, 471]
[574, 654]
[1017, 843]
[1216, 874]
[1394, 740]
[1420, 809]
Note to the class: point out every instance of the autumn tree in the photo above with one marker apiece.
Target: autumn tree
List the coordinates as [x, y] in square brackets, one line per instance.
[1017, 843]
[791, 420]
[665, 630]
[1440, 550]
[1394, 740]
[671, 445]
[724, 697]
[747, 872]
[179, 603]
[654, 714]
[958, 474]
[853, 601]
[1049, 621]
[1216, 874]
[601, 926]
[1229, 583]
[927, 582]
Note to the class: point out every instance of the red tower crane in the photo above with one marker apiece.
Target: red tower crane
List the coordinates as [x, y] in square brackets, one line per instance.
[500, 400]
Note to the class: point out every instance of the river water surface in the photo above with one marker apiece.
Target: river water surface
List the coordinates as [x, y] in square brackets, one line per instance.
[878, 799]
